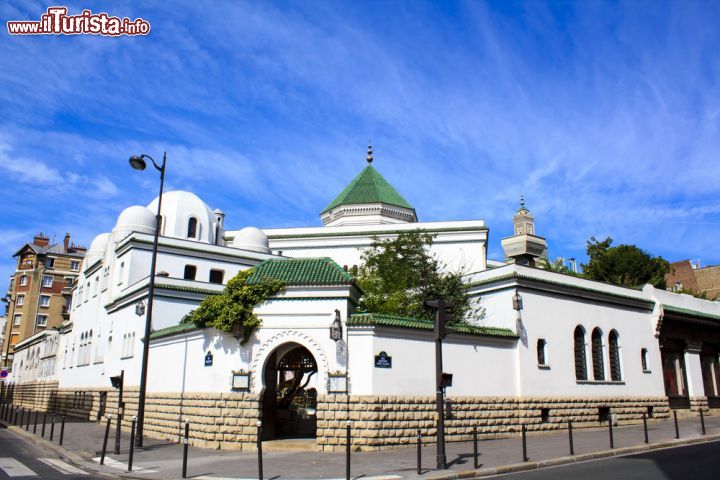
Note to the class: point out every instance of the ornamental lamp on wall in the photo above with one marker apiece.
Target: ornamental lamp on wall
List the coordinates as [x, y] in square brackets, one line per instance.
[517, 301]
[336, 328]
[238, 330]
[140, 308]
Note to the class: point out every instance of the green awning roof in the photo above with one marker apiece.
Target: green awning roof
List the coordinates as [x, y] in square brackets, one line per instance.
[383, 320]
[369, 187]
[301, 271]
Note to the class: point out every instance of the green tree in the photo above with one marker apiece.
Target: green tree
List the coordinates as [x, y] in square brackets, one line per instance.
[234, 304]
[624, 265]
[398, 275]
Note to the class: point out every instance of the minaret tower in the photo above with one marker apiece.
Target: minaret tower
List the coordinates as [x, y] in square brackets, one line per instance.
[524, 247]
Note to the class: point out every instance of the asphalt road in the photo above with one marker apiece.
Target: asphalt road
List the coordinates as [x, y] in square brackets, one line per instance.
[22, 459]
[696, 462]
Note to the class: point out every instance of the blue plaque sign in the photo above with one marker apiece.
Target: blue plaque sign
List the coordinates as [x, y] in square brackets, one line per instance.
[383, 360]
[208, 359]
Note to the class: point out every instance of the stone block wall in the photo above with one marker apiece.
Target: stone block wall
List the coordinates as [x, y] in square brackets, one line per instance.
[217, 420]
[392, 421]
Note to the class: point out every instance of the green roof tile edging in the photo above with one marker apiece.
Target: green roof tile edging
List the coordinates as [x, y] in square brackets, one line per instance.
[689, 312]
[383, 320]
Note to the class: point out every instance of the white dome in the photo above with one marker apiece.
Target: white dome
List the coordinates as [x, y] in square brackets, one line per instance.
[134, 219]
[97, 246]
[96, 250]
[178, 208]
[253, 239]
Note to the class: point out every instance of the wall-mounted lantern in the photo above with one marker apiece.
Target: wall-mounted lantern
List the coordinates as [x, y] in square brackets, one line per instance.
[140, 308]
[336, 327]
[337, 382]
[517, 301]
[240, 381]
[238, 330]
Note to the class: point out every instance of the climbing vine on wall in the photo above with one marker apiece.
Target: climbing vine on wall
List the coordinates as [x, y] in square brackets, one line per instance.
[234, 304]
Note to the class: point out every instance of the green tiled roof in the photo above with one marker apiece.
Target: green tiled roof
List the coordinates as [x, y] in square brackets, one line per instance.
[301, 271]
[691, 313]
[369, 187]
[175, 329]
[383, 320]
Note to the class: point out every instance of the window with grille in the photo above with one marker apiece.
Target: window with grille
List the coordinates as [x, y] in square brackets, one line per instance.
[614, 353]
[597, 356]
[580, 364]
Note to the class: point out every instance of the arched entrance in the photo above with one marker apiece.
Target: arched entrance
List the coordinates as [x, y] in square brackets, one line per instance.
[290, 396]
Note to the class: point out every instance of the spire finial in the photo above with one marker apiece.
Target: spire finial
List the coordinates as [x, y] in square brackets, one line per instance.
[370, 153]
[522, 201]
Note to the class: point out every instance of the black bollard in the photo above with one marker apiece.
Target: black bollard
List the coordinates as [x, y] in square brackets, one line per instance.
[35, 426]
[107, 434]
[702, 422]
[17, 413]
[259, 449]
[419, 452]
[612, 440]
[570, 439]
[27, 425]
[62, 429]
[43, 427]
[185, 447]
[52, 427]
[677, 429]
[132, 443]
[2, 410]
[524, 445]
[475, 449]
[347, 450]
[645, 428]
[22, 416]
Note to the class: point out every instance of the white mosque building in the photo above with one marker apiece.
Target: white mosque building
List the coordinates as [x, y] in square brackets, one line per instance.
[540, 349]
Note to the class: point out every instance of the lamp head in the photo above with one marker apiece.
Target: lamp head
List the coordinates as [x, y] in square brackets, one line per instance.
[138, 163]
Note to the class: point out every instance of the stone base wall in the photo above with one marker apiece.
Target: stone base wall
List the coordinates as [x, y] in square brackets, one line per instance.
[228, 420]
[217, 420]
[392, 421]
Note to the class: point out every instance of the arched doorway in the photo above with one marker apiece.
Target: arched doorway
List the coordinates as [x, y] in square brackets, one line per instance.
[290, 395]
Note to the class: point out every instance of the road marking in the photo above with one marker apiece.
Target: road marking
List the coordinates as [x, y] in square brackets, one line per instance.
[379, 477]
[64, 467]
[111, 462]
[13, 468]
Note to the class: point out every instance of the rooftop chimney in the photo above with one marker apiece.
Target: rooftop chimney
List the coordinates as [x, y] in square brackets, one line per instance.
[66, 243]
[41, 240]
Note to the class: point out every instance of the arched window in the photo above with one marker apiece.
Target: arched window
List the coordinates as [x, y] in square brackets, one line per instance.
[597, 356]
[192, 228]
[580, 364]
[643, 359]
[614, 354]
[541, 358]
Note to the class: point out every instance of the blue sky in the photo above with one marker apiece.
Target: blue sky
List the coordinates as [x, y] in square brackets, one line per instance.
[606, 115]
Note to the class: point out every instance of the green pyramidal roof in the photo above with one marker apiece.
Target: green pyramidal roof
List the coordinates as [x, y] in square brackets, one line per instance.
[369, 187]
[301, 271]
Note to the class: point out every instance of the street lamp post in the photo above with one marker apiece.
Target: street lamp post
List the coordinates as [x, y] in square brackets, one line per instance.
[138, 163]
[441, 379]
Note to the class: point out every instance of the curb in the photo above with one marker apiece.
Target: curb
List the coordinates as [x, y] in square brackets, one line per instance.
[555, 462]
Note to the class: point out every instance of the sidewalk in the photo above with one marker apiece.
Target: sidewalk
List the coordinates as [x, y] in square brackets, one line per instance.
[163, 460]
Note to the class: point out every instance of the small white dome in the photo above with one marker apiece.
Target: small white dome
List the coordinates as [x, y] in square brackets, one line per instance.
[136, 218]
[97, 246]
[253, 239]
[96, 250]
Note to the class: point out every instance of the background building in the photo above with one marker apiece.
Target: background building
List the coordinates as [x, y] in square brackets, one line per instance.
[39, 295]
[685, 275]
